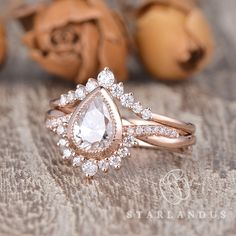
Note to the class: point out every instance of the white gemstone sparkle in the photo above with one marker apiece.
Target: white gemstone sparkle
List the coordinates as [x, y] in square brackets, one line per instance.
[117, 90]
[80, 92]
[55, 122]
[63, 100]
[60, 130]
[123, 152]
[95, 129]
[139, 130]
[70, 96]
[148, 129]
[129, 141]
[159, 130]
[130, 130]
[137, 107]
[106, 78]
[62, 142]
[127, 100]
[91, 85]
[77, 161]
[115, 161]
[90, 168]
[67, 153]
[103, 165]
[146, 114]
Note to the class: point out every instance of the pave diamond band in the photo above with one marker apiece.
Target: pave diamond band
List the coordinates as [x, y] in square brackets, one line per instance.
[93, 134]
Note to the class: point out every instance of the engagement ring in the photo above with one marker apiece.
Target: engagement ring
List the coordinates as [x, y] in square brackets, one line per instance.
[94, 135]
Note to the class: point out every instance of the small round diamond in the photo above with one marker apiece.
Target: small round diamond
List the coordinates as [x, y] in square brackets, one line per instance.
[129, 141]
[115, 161]
[62, 142]
[161, 130]
[130, 130]
[174, 134]
[65, 118]
[152, 129]
[157, 129]
[167, 132]
[103, 165]
[49, 124]
[91, 85]
[70, 96]
[171, 133]
[117, 90]
[67, 153]
[123, 152]
[146, 114]
[60, 130]
[80, 92]
[148, 129]
[106, 78]
[139, 130]
[137, 107]
[89, 168]
[127, 100]
[63, 100]
[77, 161]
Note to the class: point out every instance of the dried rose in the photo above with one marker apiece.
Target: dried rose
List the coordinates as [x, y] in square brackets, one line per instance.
[173, 38]
[2, 44]
[75, 39]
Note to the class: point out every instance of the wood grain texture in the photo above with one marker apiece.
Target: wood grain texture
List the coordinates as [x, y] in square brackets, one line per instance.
[39, 195]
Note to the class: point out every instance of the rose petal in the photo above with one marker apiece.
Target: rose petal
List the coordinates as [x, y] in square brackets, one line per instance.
[89, 44]
[163, 58]
[29, 39]
[2, 44]
[78, 30]
[114, 54]
[43, 41]
[107, 21]
[25, 13]
[185, 5]
[197, 27]
[65, 65]
[60, 13]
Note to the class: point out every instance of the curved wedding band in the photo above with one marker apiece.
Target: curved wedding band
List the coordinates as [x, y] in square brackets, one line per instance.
[95, 136]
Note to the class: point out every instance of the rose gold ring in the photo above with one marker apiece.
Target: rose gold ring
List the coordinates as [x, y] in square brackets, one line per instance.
[95, 136]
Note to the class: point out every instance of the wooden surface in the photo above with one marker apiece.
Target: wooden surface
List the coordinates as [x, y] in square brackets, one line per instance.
[39, 195]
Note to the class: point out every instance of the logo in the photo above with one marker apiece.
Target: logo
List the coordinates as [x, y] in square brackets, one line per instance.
[174, 186]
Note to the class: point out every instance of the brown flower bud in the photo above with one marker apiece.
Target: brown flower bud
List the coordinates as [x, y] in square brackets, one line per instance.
[75, 39]
[173, 38]
[2, 44]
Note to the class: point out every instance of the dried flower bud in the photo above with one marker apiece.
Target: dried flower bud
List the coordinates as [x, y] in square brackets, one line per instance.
[173, 38]
[2, 44]
[75, 39]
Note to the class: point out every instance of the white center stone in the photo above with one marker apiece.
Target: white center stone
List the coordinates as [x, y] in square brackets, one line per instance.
[94, 130]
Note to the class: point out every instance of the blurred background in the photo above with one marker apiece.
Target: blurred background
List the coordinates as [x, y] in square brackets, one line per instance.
[170, 41]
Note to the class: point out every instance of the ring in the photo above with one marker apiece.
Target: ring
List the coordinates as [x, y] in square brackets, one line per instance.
[93, 134]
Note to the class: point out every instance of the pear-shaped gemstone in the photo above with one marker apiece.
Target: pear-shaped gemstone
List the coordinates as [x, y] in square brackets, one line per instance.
[94, 128]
